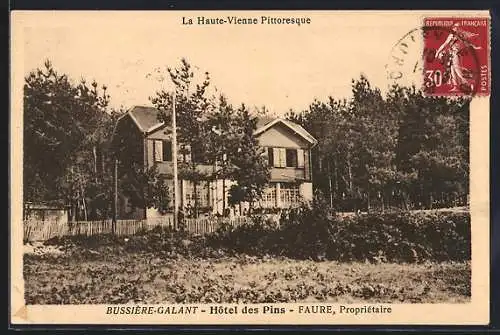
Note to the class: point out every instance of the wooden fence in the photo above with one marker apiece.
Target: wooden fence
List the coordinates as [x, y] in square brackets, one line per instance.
[35, 230]
[203, 226]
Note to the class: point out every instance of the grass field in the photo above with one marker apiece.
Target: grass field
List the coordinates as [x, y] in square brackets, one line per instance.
[86, 276]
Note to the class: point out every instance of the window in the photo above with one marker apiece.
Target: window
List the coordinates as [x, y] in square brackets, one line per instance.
[281, 157]
[202, 194]
[269, 197]
[290, 195]
[162, 151]
[291, 158]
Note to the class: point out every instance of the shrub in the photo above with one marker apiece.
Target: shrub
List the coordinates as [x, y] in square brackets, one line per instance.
[250, 237]
[312, 233]
[309, 233]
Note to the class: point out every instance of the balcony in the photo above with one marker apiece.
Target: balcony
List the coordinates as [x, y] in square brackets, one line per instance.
[168, 168]
[288, 175]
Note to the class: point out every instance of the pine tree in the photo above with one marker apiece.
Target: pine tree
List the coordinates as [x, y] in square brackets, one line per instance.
[402, 150]
[192, 106]
[252, 172]
[67, 129]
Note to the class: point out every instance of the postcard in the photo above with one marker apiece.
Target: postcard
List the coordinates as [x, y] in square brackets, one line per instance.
[250, 167]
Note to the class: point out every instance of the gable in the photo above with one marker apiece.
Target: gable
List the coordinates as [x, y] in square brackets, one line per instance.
[294, 128]
[125, 128]
[280, 135]
[144, 117]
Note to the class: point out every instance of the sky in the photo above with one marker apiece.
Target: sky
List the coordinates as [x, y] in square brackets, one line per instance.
[278, 66]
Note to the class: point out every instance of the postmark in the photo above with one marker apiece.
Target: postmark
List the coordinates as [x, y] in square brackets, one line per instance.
[444, 57]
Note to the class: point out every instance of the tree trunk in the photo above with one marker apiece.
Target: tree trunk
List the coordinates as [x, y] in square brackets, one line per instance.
[181, 194]
[71, 197]
[72, 212]
[79, 209]
[349, 172]
[330, 188]
[403, 200]
[85, 212]
[103, 164]
[115, 197]
[368, 201]
[320, 161]
[84, 203]
[223, 196]
[94, 156]
[336, 177]
[195, 193]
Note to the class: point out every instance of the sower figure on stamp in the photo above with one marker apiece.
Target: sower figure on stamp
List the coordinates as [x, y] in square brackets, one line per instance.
[449, 53]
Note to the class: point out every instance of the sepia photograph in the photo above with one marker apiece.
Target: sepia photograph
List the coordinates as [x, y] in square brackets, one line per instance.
[231, 160]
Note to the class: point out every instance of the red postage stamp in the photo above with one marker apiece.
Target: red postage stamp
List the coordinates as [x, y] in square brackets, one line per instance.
[456, 56]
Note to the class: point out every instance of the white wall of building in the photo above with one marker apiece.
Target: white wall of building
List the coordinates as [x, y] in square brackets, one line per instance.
[306, 191]
[218, 194]
[281, 136]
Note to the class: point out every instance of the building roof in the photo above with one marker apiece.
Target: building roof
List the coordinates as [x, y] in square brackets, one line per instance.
[296, 128]
[146, 119]
[263, 120]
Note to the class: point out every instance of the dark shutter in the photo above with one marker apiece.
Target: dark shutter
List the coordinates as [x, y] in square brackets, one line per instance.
[167, 151]
[270, 156]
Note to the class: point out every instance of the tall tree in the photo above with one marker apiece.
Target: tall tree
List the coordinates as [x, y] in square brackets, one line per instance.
[434, 143]
[376, 137]
[251, 172]
[399, 150]
[66, 131]
[213, 133]
[192, 105]
[222, 140]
